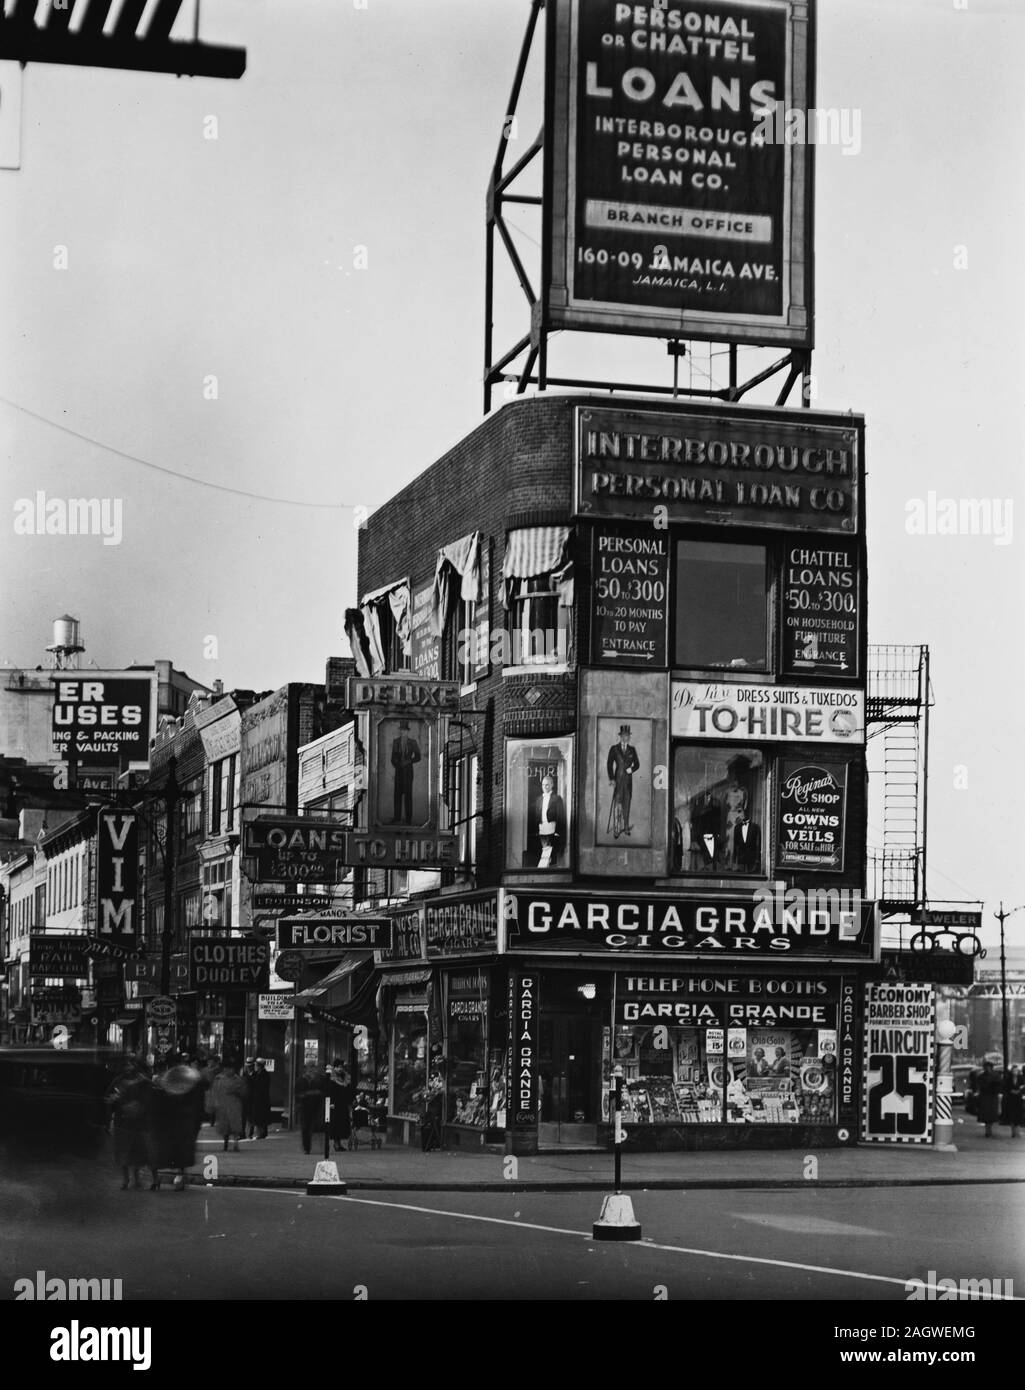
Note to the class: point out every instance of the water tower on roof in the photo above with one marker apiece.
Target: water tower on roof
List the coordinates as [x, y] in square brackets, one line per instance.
[66, 645]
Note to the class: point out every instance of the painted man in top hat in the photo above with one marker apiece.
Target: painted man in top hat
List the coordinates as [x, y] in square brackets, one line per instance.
[623, 762]
[405, 754]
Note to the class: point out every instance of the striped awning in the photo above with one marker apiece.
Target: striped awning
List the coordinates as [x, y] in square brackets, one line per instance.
[536, 550]
[461, 557]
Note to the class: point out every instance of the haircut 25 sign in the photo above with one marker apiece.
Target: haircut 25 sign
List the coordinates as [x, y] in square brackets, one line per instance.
[900, 1026]
[675, 203]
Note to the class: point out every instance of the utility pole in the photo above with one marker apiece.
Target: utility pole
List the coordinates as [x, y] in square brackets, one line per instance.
[1002, 917]
[171, 795]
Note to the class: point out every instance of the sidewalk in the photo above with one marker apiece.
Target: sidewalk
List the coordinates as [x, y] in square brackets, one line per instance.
[278, 1161]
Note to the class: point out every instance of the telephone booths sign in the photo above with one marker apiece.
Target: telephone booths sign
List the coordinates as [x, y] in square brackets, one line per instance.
[899, 1038]
[679, 198]
[117, 876]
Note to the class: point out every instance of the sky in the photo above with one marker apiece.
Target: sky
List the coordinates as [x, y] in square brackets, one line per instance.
[274, 288]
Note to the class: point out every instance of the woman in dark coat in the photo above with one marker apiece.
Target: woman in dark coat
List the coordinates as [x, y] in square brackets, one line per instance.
[177, 1117]
[340, 1093]
[989, 1089]
[130, 1100]
[1014, 1101]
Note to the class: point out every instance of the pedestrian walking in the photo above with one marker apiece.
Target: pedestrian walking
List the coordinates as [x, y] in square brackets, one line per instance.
[130, 1103]
[989, 1089]
[1014, 1101]
[228, 1096]
[340, 1093]
[176, 1120]
[248, 1072]
[309, 1094]
[260, 1098]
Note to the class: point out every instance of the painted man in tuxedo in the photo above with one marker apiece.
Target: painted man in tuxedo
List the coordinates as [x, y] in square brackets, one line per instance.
[405, 754]
[550, 817]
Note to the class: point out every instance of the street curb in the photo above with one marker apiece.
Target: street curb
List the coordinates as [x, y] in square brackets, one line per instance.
[654, 1185]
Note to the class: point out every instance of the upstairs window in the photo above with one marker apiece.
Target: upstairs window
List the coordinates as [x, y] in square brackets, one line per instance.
[538, 594]
[721, 606]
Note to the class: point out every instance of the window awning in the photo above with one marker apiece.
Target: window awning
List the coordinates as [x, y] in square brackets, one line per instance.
[346, 993]
[463, 558]
[536, 550]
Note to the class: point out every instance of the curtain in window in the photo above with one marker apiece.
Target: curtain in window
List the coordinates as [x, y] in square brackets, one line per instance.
[538, 550]
[461, 558]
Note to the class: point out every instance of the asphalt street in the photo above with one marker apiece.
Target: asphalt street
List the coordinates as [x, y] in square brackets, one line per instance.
[67, 1216]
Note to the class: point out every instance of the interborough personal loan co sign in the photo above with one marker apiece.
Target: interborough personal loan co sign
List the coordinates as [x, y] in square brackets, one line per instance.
[782, 470]
[675, 206]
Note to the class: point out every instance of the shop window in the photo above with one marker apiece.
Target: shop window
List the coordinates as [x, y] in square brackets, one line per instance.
[721, 608]
[409, 1065]
[466, 1079]
[719, 799]
[538, 803]
[772, 1076]
[670, 1075]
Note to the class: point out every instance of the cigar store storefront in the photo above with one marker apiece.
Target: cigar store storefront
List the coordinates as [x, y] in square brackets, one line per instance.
[734, 1023]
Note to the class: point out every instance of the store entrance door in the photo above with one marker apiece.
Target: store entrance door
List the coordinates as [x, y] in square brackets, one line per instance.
[570, 1066]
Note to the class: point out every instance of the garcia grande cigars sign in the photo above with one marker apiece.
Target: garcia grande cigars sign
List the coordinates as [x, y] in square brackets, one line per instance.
[777, 471]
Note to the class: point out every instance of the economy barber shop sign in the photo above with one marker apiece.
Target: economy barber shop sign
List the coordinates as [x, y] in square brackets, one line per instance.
[764, 926]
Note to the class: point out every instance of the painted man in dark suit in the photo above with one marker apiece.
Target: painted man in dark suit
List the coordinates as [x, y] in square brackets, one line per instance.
[405, 754]
[622, 763]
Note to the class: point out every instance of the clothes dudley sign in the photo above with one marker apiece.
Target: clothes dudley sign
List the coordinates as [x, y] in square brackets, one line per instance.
[766, 925]
[217, 964]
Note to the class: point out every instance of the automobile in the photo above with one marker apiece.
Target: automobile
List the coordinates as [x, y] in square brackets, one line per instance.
[962, 1073]
[46, 1093]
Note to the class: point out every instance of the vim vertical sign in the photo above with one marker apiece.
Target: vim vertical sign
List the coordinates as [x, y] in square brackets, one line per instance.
[117, 875]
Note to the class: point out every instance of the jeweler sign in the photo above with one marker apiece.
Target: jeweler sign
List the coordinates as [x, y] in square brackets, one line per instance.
[676, 206]
[761, 713]
[900, 1027]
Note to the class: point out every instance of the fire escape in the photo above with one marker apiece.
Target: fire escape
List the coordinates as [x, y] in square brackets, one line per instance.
[897, 713]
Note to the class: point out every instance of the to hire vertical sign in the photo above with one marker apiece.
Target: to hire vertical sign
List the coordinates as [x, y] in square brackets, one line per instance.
[117, 876]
